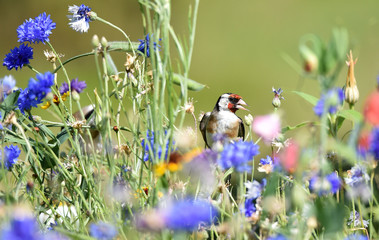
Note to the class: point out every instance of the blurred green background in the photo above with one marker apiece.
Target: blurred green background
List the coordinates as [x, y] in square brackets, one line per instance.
[238, 48]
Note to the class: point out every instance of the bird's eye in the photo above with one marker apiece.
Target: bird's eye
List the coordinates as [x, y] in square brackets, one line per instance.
[233, 100]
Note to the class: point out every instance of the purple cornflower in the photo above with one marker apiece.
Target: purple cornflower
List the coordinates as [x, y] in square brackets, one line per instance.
[238, 155]
[144, 45]
[356, 176]
[188, 214]
[145, 145]
[331, 183]
[355, 219]
[18, 57]
[22, 228]
[250, 208]
[35, 92]
[254, 188]
[356, 236]
[11, 154]
[266, 165]
[374, 143]
[80, 18]
[76, 85]
[7, 84]
[36, 30]
[329, 102]
[102, 231]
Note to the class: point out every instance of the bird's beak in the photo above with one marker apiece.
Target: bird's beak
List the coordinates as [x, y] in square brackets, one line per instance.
[240, 103]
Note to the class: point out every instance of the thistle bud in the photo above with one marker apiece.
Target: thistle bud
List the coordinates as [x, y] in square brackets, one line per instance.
[310, 59]
[351, 90]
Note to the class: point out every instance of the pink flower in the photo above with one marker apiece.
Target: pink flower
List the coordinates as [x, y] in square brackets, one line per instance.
[371, 111]
[267, 127]
[290, 156]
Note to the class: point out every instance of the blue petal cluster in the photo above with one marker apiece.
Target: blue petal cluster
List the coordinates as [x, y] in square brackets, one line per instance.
[7, 83]
[18, 57]
[356, 236]
[22, 228]
[357, 176]
[35, 92]
[76, 85]
[208, 155]
[144, 45]
[11, 154]
[331, 183]
[250, 208]
[36, 30]
[103, 231]
[329, 102]
[188, 214]
[80, 18]
[238, 155]
[277, 237]
[145, 145]
[374, 143]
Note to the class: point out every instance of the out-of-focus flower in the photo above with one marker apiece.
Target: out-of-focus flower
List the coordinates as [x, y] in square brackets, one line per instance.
[331, 183]
[80, 18]
[238, 155]
[289, 158]
[371, 111]
[267, 127]
[250, 208]
[254, 188]
[18, 57]
[266, 165]
[374, 143]
[277, 237]
[310, 58]
[356, 236]
[357, 175]
[36, 30]
[50, 218]
[351, 89]
[329, 102]
[144, 45]
[276, 102]
[355, 219]
[364, 144]
[36, 91]
[11, 154]
[102, 231]
[21, 227]
[76, 85]
[7, 84]
[51, 56]
[149, 140]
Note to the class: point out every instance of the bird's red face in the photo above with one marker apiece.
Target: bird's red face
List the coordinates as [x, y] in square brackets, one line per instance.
[235, 103]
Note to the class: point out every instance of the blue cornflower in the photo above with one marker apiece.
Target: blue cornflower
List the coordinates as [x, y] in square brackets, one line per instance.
[374, 143]
[145, 43]
[356, 236]
[21, 228]
[145, 145]
[102, 230]
[18, 57]
[76, 85]
[238, 155]
[266, 165]
[250, 208]
[276, 102]
[356, 176]
[277, 237]
[80, 18]
[188, 214]
[11, 154]
[330, 102]
[7, 84]
[331, 183]
[355, 219]
[36, 30]
[35, 92]
[254, 188]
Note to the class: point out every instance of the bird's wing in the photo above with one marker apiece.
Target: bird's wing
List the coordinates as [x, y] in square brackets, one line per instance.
[203, 126]
[241, 130]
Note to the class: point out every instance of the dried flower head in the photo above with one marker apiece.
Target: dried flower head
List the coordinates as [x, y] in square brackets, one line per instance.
[351, 90]
[51, 56]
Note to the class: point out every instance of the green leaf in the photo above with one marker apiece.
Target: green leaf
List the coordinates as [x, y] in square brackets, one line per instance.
[111, 67]
[288, 128]
[341, 39]
[122, 46]
[9, 103]
[351, 115]
[191, 84]
[309, 98]
[63, 136]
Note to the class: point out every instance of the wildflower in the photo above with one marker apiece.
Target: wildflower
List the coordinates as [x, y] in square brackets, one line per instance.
[364, 144]
[21, 227]
[371, 110]
[250, 208]
[356, 236]
[329, 102]
[289, 158]
[277, 237]
[102, 231]
[323, 185]
[267, 127]
[11, 154]
[80, 18]
[355, 219]
[35, 92]
[266, 165]
[238, 155]
[351, 89]
[254, 188]
[150, 138]
[7, 85]
[18, 57]
[36, 30]
[277, 97]
[374, 143]
[75, 86]
[356, 176]
[144, 45]
[188, 214]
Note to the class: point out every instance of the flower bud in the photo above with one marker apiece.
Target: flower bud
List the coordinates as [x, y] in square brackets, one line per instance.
[104, 42]
[276, 102]
[75, 96]
[351, 90]
[310, 59]
[277, 97]
[249, 119]
[95, 41]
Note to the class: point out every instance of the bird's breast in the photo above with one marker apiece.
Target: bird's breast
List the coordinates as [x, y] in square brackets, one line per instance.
[225, 123]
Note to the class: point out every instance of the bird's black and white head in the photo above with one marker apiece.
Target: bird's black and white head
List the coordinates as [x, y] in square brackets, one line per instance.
[230, 102]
